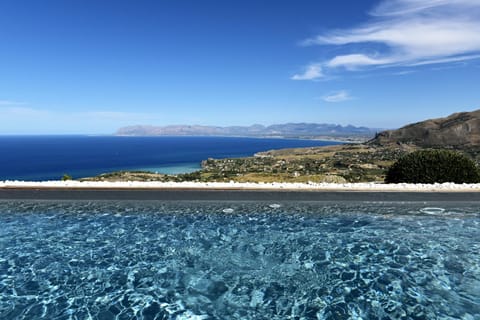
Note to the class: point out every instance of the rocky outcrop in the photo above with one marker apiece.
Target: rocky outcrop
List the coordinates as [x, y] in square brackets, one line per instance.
[458, 131]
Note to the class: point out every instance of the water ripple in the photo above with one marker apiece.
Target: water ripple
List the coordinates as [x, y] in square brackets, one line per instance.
[159, 260]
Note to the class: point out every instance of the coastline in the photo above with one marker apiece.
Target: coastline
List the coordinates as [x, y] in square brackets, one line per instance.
[84, 156]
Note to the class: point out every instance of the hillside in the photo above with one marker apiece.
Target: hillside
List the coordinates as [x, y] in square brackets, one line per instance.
[457, 131]
[354, 162]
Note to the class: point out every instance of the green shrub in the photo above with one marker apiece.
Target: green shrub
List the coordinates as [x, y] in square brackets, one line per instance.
[66, 177]
[191, 176]
[433, 166]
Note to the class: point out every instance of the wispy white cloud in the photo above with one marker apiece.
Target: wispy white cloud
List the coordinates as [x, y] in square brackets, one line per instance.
[337, 96]
[353, 61]
[11, 103]
[403, 73]
[402, 7]
[23, 111]
[311, 72]
[410, 33]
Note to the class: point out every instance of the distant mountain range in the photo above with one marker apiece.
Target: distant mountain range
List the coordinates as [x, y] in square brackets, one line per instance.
[459, 130]
[288, 130]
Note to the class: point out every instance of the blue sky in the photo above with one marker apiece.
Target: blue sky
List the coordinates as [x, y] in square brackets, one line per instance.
[90, 66]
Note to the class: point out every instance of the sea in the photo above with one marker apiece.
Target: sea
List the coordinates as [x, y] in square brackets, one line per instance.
[38, 158]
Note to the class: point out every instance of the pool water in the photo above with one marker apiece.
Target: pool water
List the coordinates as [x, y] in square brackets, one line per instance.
[239, 260]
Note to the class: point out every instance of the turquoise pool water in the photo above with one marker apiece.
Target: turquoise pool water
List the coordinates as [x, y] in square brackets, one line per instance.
[239, 260]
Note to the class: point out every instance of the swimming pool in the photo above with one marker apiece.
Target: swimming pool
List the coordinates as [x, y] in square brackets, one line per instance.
[239, 260]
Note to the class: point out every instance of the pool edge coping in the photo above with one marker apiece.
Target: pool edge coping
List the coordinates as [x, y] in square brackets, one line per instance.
[233, 194]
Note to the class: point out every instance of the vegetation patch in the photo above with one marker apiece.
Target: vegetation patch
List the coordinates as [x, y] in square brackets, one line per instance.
[433, 166]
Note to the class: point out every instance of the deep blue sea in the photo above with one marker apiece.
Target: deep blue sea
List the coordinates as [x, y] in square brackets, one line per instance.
[50, 157]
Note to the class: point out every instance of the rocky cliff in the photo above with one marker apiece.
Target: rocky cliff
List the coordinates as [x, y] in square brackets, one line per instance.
[458, 131]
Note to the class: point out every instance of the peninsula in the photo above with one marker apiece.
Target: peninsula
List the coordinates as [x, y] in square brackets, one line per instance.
[354, 162]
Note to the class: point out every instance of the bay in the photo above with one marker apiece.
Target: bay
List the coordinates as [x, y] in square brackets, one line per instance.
[39, 158]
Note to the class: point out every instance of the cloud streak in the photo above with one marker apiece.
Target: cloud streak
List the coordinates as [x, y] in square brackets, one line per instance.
[11, 103]
[337, 96]
[406, 33]
[311, 72]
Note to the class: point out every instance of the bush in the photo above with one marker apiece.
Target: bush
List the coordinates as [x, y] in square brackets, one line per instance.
[433, 166]
[66, 177]
[191, 176]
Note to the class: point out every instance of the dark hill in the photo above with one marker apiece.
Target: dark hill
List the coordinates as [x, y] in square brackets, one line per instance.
[458, 131]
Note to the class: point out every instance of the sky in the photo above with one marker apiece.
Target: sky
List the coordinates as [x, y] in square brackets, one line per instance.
[92, 66]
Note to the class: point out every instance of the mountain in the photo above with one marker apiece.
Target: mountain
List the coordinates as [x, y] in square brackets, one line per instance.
[459, 130]
[283, 130]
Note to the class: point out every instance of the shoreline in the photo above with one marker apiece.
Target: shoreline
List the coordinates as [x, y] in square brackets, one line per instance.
[340, 139]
